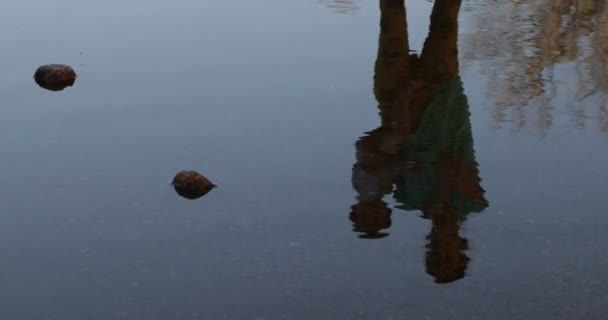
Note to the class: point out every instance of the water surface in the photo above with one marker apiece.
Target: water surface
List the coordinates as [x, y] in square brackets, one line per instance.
[470, 151]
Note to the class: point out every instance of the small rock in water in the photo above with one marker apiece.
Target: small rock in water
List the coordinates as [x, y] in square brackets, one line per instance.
[191, 184]
[55, 77]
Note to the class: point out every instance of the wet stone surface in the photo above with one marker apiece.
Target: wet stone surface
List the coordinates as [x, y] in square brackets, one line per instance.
[55, 77]
[191, 184]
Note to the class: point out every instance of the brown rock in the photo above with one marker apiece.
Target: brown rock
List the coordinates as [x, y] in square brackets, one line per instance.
[191, 184]
[55, 77]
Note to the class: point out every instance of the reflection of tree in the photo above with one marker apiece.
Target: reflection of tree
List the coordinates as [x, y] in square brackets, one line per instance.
[521, 46]
[422, 152]
[341, 6]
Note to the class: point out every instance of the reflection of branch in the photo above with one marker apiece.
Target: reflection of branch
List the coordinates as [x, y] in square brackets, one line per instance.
[603, 115]
[540, 35]
[590, 93]
[341, 6]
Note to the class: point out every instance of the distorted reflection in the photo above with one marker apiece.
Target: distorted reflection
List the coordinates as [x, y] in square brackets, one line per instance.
[543, 60]
[341, 6]
[422, 152]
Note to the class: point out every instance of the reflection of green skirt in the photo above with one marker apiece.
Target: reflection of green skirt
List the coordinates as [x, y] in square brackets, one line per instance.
[444, 133]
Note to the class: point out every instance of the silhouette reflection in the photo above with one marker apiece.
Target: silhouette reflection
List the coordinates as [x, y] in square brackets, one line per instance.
[422, 152]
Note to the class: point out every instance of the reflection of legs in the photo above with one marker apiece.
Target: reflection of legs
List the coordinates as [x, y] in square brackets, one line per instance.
[439, 57]
[446, 260]
[424, 77]
[392, 63]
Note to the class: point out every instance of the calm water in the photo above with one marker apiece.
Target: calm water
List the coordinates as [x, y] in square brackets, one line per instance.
[475, 161]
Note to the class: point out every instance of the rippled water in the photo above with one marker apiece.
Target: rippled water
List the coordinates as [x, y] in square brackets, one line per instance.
[451, 169]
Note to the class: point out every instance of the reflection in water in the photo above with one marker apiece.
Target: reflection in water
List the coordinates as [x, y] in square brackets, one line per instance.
[535, 49]
[341, 6]
[422, 152]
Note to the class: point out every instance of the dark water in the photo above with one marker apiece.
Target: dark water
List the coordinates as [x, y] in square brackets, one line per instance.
[470, 146]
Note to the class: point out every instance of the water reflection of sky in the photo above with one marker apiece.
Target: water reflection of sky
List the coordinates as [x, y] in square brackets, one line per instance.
[268, 99]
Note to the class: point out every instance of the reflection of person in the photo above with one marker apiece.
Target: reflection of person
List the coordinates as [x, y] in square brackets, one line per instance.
[445, 259]
[372, 178]
[422, 152]
[377, 164]
[445, 183]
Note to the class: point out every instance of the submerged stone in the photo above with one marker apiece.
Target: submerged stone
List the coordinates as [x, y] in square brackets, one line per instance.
[191, 184]
[55, 77]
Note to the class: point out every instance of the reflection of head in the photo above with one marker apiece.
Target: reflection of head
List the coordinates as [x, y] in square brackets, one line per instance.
[370, 218]
[446, 260]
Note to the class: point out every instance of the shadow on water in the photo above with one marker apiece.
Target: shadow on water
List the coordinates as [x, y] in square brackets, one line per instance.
[422, 152]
